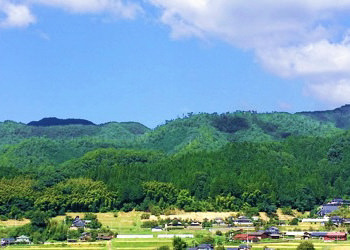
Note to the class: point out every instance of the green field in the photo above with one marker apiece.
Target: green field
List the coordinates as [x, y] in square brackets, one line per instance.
[155, 243]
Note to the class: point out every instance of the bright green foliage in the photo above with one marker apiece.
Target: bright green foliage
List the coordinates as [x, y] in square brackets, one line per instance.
[77, 195]
[306, 245]
[179, 244]
[16, 196]
[234, 161]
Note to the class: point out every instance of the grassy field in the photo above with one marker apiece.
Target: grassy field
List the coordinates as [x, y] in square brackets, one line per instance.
[70, 246]
[148, 244]
[13, 223]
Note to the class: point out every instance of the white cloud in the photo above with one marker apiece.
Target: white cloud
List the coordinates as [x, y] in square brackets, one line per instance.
[118, 8]
[15, 15]
[337, 92]
[17, 12]
[291, 38]
[311, 60]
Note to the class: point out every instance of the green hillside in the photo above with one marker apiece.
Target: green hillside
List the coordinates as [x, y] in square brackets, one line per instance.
[203, 162]
[12, 132]
[212, 131]
[340, 117]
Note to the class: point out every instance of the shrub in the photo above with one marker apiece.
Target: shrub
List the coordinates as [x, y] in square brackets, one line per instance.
[208, 240]
[218, 233]
[295, 221]
[306, 245]
[149, 224]
[3, 218]
[145, 216]
[220, 248]
[155, 210]
[163, 248]
[179, 244]
[287, 210]
[90, 216]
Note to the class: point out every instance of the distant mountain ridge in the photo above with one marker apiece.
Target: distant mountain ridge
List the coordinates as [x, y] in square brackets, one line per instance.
[53, 121]
[194, 132]
[340, 117]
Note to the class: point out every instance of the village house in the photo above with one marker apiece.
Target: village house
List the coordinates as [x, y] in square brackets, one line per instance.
[7, 241]
[78, 223]
[336, 220]
[334, 236]
[246, 238]
[104, 236]
[157, 229]
[219, 221]
[243, 221]
[194, 225]
[23, 239]
[85, 236]
[332, 206]
[260, 235]
[298, 235]
[318, 235]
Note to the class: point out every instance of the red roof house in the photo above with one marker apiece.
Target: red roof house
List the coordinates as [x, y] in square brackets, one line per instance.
[245, 237]
[335, 236]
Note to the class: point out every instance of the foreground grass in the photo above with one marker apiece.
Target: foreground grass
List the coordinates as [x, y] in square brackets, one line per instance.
[155, 243]
[71, 246]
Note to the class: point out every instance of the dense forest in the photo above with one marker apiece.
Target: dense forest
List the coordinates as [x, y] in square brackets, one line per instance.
[200, 162]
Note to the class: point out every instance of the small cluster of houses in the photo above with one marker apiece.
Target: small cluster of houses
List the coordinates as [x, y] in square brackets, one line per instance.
[241, 221]
[274, 233]
[326, 236]
[23, 239]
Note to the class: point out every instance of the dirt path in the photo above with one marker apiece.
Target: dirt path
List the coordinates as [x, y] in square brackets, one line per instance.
[109, 245]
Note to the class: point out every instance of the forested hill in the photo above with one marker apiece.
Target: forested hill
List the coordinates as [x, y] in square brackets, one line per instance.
[231, 161]
[53, 121]
[340, 117]
[212, 131]
[189, 133]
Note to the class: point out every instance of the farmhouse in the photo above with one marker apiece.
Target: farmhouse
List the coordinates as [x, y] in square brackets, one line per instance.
[243, 221]
[85, 236]
[103, 236]
[194, 225]
[157, 229]
[335, 236]
[332, 206]
[78, 223]
[7, 241]
[219, 221]
[246, 238]
[336, 220]
[260, 235]
[298, 235]
[318, 235]
[23, 239]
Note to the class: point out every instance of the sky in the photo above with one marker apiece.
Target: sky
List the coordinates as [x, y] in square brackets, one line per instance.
[155, 60]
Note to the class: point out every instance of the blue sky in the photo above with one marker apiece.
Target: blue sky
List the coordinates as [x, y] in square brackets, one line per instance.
[108, 60]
